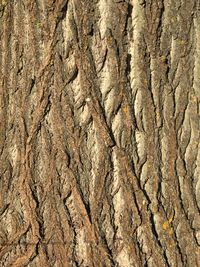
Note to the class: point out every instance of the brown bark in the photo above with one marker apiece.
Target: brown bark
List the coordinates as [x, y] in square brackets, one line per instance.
[99, 133]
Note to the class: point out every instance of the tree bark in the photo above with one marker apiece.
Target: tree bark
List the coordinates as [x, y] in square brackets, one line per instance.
[99, 133]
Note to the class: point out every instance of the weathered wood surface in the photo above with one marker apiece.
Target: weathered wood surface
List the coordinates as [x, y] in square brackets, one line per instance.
[99, 133]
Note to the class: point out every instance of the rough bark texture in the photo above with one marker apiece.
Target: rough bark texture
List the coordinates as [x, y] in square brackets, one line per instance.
[99, 137]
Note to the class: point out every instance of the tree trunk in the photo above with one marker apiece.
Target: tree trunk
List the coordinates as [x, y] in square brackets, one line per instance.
[99, 133]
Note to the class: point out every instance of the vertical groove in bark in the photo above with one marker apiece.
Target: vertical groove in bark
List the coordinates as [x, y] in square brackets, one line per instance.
[99, 133]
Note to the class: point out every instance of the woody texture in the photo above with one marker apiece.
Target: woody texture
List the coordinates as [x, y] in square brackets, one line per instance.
[99, 133]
